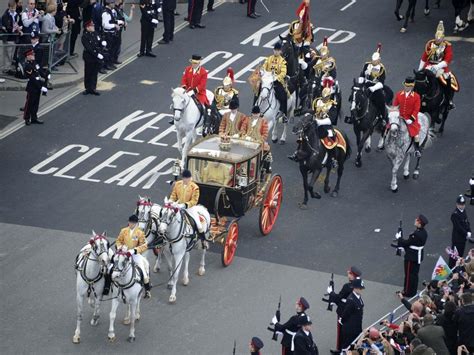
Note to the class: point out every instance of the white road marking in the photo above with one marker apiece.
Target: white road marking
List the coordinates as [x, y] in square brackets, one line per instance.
[348, 5]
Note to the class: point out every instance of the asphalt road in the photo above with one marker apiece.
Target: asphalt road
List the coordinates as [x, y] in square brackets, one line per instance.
[69, 195]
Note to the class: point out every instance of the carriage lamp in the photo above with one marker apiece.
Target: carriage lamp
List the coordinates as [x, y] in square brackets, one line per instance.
[176, 170]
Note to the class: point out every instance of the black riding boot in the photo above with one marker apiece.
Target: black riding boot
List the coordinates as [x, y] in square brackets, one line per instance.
[107, 283]
[293, 156]
[417, 149]
[449, 93]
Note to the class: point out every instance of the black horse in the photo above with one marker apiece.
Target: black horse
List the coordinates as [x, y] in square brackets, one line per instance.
[212, 121]
[433, 98]
[363, 117]
[313, 156]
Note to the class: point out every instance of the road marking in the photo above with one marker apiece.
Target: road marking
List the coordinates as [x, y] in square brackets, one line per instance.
[348, 5]
[15, 127]
[460, 39]
[148, 82]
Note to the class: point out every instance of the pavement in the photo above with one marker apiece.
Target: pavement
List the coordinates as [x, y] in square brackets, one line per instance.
[84, 168]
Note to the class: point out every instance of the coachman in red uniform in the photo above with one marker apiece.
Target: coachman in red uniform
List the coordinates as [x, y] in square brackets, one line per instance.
[194, 80]
[408, 102]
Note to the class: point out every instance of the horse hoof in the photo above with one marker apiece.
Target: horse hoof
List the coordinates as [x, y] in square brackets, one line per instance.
[126, 321]
[368, 149]
[94, 322]
[131, 339]
[415, 176]
[406, 177]
[111, 338]
[170, 287]
[334, 194]
[185, 282]
[316, 195]
[327, 189]
[76, 339]
[282, 142]
[172, 299]
[201, 271]
[395, 190]
[358, 163]
[303, 206]
[137, 317]
[274, 140]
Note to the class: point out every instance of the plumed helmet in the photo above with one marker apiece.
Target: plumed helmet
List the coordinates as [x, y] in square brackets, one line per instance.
[440, 31]
[324, 51]
[376, 55]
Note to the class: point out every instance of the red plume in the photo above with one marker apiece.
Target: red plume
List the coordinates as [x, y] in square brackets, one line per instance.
[230, 73]
[379, 47]
[325, 41]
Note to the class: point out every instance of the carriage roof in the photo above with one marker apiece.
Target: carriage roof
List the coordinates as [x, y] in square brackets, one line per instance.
[208, 148]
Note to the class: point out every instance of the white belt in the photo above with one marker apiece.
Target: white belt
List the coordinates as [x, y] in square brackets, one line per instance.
[292, 338]
[418, 249]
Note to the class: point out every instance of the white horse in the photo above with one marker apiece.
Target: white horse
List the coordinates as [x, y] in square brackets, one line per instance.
[91, 265]
[148, 223]
[180, 238]
[399, 145]
[187, 118]
[128, 287]
[270, 107]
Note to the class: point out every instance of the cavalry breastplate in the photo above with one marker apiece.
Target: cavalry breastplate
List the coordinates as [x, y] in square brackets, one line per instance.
[223, 97]
[373, 72]
[437, 53]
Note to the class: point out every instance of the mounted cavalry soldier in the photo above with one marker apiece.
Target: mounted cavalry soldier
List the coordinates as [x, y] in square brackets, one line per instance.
[233, 123]
[226, 92]
[436, 57]
[194, 81]
[133, 238]
[291, 326]
[373, 75]
[408, 103]
[325, 66]
[276, 64]
[186, 194]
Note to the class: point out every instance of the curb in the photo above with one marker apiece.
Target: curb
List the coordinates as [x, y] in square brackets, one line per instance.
[55, 86]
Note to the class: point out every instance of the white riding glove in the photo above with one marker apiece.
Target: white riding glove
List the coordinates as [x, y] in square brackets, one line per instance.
[133, 251]
[120, 22]
[104, 43]
[468, 235]
[100, 56]
[274, 320]
[330, 289]
[44, 89]
[159, 10]
[190, 93]
[302, 63]
[409, 121]
[154, 21]
[360, 80]
[398, 235]
[181, 205]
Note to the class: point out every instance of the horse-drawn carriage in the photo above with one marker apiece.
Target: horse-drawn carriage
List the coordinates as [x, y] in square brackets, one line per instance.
[234, 176]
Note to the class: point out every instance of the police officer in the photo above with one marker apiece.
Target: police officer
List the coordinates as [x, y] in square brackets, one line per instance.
[37, 80]
[111, 27]
[461, 229]
[303, 342]
[413, 246]
[351, 317]
[93, 57]
[340, 300]
[290, 328]
[256, 344]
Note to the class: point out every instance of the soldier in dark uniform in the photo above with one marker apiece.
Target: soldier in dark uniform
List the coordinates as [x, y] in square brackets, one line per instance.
[303, 341]
[351, 318]
[255, 345]
[195, 14]
[290, 328]
[413, 255]
[251, 9]
[93, 57]
[35, 45]
[169, 7]
[461, 229]
[37, 80]
[148, 22]
[340, 300]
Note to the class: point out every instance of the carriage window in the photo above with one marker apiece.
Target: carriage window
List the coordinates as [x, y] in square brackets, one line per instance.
[242, 174]
[252, 169]
[211, 172]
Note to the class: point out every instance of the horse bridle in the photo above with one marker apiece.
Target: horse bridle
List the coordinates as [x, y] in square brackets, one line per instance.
[122, 272]
[94, 246]
[168, 220]
[266, 98]
[180, 109]
[141, 216]
[361, 90]
[303, 137]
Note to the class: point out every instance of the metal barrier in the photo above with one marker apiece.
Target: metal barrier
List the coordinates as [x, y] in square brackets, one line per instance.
[55, 49]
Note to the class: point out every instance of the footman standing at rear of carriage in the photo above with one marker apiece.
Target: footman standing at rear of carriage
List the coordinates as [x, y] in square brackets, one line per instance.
[413, 246]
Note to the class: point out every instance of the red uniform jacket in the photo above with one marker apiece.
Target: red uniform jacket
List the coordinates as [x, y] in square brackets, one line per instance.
[430, 57]
[196, 82]
[409, 108]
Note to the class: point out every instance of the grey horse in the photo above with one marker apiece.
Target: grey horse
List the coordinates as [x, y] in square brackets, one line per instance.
[399, 145]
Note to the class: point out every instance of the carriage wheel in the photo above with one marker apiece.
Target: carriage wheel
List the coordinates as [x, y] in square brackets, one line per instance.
[217, 202]
[271, 205]
[230, 245]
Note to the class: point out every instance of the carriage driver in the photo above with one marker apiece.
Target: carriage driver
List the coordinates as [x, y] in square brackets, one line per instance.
[408, 102]
[133, 238]
[186, 194]
[277, 65]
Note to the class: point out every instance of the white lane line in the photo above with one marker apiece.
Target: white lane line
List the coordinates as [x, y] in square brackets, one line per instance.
[348, 5]
[15, 127]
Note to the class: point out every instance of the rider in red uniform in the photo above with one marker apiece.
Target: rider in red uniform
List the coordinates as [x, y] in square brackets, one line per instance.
[408, 102]
[436, 57]
[194, 81]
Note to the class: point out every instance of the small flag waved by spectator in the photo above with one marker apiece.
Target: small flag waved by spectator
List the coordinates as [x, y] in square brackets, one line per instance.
[441, 270]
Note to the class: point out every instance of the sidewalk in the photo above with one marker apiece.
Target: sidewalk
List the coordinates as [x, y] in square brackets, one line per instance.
[68, 80]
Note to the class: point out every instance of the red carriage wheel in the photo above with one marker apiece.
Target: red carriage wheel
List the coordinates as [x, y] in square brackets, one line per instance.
[230, 244]
[271, 205]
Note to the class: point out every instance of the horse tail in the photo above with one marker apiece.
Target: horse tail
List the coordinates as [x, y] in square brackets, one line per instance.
[348, 145]
[430, 135]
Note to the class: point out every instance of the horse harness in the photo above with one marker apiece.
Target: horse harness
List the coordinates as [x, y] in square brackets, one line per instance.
[137, 277]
